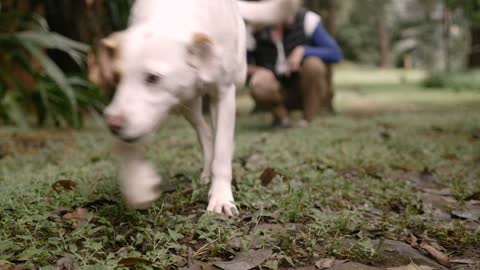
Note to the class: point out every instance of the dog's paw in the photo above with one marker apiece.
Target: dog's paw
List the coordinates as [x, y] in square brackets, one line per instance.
[221, 200]
[140, 186]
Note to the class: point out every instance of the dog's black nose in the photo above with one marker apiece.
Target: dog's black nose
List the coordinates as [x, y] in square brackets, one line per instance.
[115, 123]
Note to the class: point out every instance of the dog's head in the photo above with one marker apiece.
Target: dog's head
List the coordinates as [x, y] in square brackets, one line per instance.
[153, 74]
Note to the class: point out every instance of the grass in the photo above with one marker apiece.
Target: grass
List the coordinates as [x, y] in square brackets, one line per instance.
[355, 177]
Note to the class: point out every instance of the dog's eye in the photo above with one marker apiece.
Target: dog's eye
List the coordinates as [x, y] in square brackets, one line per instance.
[152, 78]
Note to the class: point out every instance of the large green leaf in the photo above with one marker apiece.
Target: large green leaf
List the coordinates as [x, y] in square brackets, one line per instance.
[48, 40]
[54, 72]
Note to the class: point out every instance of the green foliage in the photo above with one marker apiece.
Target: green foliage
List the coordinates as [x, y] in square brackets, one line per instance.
[468, 80]
[358, 33]
[56, 99]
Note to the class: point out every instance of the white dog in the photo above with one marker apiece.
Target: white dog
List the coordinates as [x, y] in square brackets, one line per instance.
[172, 54]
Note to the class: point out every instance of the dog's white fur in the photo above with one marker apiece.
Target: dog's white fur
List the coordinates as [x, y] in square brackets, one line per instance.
[172, 54]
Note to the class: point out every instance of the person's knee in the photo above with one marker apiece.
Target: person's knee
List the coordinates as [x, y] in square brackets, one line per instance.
[263, 86]
[314, 67]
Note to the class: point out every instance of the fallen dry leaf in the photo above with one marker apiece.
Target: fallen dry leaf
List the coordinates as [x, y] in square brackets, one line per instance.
[267, 176]
[246, 261]
[433, 243]
[412, 266]
[463, 261]
[471, 212]
[440, 192]
[412, 240]
[79, 216]
[192, 267]
[325, 263]
[133, 261]
[66, 263]
[344, 265]
[7, 266]
[64, 185]
[438, 255]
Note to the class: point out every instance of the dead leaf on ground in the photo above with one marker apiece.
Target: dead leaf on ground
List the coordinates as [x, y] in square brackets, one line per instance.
[431, 246]
[344, 265]
[438, 255]
[463, 261]
[471, 212]
[440, 192]
[64, 185]
[326, 263]
[246, 261]
[393, 253]
[66, 263]
[412, 266]
[427, 177]
[267, 176]
[4, 265]
[438, 204]
[133, 261]
[79, 216]
[412, 240]
[424, 179]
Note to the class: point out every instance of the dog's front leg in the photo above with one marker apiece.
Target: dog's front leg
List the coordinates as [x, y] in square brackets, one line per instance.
[194, 115]
[139, 182]
[221, 196]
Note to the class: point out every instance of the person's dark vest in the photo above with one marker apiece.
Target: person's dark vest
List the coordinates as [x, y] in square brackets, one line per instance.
[265, 54]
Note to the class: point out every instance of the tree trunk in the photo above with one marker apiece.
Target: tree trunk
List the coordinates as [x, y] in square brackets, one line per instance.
[474, 58]
[384, 42]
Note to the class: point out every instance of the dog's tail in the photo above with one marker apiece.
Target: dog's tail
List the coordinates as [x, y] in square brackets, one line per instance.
[268, 12]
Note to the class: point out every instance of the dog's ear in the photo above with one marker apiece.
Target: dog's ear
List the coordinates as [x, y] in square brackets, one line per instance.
[112, 42]
[104, 69]
[202, 56]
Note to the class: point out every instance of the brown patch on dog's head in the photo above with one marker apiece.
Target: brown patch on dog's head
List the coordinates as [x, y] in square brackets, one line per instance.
[199, 38]
[202, 56]
[104, 64]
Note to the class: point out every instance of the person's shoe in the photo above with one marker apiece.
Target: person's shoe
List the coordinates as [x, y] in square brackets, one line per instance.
[281, 124]
[303, 124]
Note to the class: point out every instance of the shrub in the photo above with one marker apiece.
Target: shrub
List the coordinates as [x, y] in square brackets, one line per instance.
[468, 80]
[54, 98]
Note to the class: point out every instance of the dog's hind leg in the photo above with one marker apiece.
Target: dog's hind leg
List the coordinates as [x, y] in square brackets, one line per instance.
[221, 195]
[192, 111]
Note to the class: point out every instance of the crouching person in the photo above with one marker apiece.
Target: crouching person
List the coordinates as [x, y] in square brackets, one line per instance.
[287, 67]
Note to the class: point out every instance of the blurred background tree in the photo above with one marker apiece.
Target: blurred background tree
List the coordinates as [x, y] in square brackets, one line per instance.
[471, 10]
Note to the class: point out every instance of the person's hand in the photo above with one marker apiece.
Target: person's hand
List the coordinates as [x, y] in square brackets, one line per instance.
[295, 59]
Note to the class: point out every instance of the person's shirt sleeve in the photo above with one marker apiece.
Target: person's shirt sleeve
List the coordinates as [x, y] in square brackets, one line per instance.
[322, 44]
